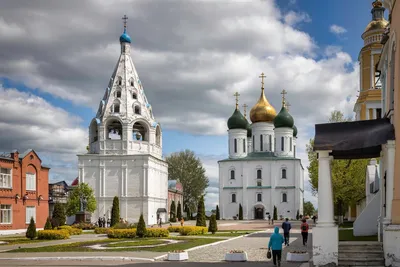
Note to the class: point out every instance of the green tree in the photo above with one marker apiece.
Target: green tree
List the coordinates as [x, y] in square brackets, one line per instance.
[217, 215]
[212, 227]
[172, 212]
[141, 227]
[275, 217]
[179, 211]
[115, 216]
[297, 215]
[74, 199]
[348, 175]
[240, 212]
[185, 167]
[58, 218]
[48, 225]
[201, 213]
[308, 208]
[31, 231]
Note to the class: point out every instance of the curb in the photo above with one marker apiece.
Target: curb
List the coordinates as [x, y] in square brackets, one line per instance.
[81, 258]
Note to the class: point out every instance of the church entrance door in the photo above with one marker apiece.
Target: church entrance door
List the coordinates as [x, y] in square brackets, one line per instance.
[259, 213]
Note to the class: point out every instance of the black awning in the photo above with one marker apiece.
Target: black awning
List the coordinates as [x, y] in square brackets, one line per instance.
[355, 139]
[161, 210]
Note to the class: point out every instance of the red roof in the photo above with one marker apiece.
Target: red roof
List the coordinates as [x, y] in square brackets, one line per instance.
[75, 182]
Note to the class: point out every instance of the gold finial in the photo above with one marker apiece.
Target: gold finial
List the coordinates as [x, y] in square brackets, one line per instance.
[125, 19]
[262, 76]
[237, 99]
[287, 106]
[283, 98]
[377, 3]
[244, 110]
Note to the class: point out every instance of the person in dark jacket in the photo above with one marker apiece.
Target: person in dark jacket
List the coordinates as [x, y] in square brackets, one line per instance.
[286, 226]
[275, 242]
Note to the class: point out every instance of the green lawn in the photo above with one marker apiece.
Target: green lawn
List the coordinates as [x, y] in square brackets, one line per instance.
[347, 235]
[346, 225]
[138, 242]
[19, 240]
[82, 246]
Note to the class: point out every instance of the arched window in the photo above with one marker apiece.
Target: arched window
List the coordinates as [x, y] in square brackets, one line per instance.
[119, 82]
[140, 132]
[244, 146]
[233, 198]
[131, 82]
[116, 107]
[259, 197]
[270, 142]
[118, 94]
[232, 174]
[284, 197]
[282, 143]
[158, 136]
[261, 143]
[259, 172]
[235, 145]
[93, 132]
[114, 130]
[291, 144]
[284, 174]
[137, 110]
[134, 96]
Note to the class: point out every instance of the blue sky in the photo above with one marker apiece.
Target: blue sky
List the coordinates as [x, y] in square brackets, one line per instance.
[70, 97]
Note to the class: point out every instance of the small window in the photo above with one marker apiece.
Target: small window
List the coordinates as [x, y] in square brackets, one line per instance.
[270, 142]
[283, 173]
[235, 145]
[5, 178]
[259, 172]
[134, 96]
[261, 143]
[244, 146]
[259, 197]
[137, 110]
[5, 214]
[119, 81]
[282, 143]
[232, 174]
[118, 94]
[116, 108]
[233, 198]
[291, 144]
[254, 144]
[30, 213]
[284, 197]
[132, 84]
[259, 182]
[31, 181]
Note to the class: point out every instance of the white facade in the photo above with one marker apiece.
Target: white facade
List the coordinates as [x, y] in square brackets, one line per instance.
[263, 178]
[124, 158]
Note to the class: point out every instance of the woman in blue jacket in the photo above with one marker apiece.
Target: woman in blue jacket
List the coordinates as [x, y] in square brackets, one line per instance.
[275, 242]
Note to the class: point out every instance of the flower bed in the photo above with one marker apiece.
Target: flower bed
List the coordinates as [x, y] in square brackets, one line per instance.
[193, 230]
[100, 230]
[71, 230]
[131, 233]
[178, 255]
[236, 255]
[174, 229]
[84, 226]
[53, 234]
[298, 256]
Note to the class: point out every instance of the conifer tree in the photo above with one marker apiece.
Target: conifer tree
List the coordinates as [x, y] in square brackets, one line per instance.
[179, 211]
[275, 214]
[240, 212]
[141, 227]
[201, 213]
[115, 212]
[172, 212]
[58, 215]
[48, 226]
[212, 227]
[217, 213]
[31, 231]
[298, 215]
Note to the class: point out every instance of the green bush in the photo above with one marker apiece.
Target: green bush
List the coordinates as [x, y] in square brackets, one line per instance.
[179, 211]
[174, 229]
[121, 233]
[156, 232]
[84, 226]
[213, 224]
[101, 230]
[217, 215]
[71, 230]
[201, 213]
[240, 212]
[115, 211]
[121, 225]
[141, 228]
[31, 231]
[58, 218]
[53, 234]
[193, 230]
[48, 225]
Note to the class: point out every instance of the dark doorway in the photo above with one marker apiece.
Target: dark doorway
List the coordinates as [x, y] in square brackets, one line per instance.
[258, 213]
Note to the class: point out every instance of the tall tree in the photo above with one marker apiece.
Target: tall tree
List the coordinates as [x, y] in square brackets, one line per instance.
[179, 211]
[240, 212]
[58, 217]
[308, 208]
[212, 226]
[31, 231]
[185, 167]
[217, 215]
[115, 212]
[201, 213]
[172, 212]
[348, 176]
[74, 199]
[141, 227]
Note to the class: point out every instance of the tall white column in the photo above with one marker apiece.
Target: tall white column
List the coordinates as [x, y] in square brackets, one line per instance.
[390, 154]
[325, 234]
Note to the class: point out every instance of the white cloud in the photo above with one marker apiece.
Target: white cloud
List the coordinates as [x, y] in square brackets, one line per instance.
[336, 29]
[292, 18]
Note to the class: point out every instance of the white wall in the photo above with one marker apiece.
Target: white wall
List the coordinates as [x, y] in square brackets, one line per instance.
[266, 129]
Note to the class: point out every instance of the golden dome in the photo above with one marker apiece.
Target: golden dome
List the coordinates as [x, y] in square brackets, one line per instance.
[262, 110]
[376, 25]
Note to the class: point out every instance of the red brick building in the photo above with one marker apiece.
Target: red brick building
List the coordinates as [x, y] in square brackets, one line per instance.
[24, 190]
[175, 192]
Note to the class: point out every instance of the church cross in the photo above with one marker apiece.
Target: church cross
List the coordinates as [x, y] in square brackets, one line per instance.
[262, 79]
[288, 106]
[283, 97]
[125, 19]
[237, 99]
[244, 109]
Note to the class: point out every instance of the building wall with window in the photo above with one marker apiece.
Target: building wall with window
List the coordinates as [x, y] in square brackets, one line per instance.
[259, 185]
[175, 193]
[23, 190]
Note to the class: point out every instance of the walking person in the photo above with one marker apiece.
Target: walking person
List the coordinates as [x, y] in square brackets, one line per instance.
[275, 242]
[286, 226]
[304, 231]
[269, 218]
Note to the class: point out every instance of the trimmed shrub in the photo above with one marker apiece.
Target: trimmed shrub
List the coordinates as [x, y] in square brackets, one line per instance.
[240, 212]
[101, 230]
[48, 225]
[174, 229]
[275, 215]
[172, 212]
[193, 230]
[71, 230]
[217, 215]
[201, 213]
[58, 218]
[115, 211]
[31, 231]
[121, 225]
[156, 232]
[141, 228]
[84, 226]
[53, 234]
[213, 224]
[121, 233]
[179, 211]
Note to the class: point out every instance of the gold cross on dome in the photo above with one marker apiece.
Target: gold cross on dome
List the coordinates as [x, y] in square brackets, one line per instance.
[237, 99]
[244, 109]
[283, 97]
[125, 19]
[262, 76]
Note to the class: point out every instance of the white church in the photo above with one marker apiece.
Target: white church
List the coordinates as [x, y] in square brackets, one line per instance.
[262, 170]
[124, 156]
